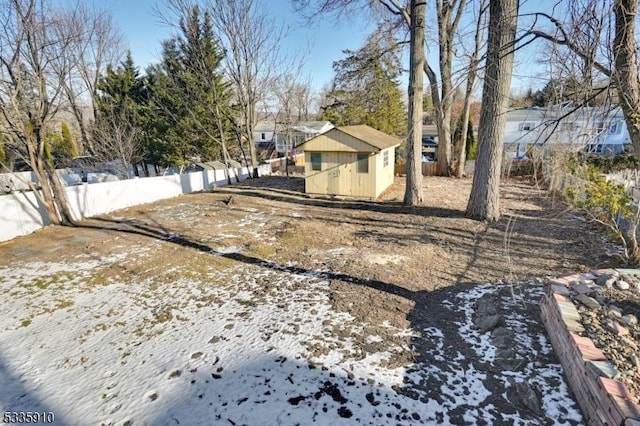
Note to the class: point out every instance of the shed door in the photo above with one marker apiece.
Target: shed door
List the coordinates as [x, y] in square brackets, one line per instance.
[339, 178]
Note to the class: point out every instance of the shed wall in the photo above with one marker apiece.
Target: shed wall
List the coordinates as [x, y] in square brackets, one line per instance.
[339, 175]
[384, 174]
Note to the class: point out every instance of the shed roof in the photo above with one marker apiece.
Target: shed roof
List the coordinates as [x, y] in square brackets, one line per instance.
[371, 136]
[365, 134]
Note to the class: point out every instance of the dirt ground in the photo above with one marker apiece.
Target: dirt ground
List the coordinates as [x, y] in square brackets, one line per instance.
[387, 263]
[435, 244]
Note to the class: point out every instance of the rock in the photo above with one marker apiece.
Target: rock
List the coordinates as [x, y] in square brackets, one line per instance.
[582, 288]
[587, 301]
[488, 322]
[616, 328]
[502, 337]
[635, 361]
[629, 320]
[528, 398]
[510, 364]
[486, 306]
[151, 395]
[622, 285]
[507, 353]
[603, 279]
[614, 312]
[630, 344]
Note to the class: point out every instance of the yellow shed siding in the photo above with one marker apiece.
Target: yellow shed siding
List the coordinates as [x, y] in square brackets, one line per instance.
[384, 174]
[363, 184]
[339, 175]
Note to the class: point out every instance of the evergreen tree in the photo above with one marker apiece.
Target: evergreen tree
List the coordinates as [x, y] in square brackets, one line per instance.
[3, 154]
[190, 96]
[121, 109]
[366, 88]
[68, 146]
[471, 149]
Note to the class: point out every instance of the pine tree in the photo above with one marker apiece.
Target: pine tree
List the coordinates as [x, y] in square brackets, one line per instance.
[190, 95]
[68, 146]
[366, 88]
[119, 130]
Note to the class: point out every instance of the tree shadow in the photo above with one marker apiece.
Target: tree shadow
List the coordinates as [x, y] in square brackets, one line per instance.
[273, 389]
[390, 207]
[16, 397]
[436, 382]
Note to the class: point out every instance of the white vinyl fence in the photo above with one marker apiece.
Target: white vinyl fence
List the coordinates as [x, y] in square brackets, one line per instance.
[22, 214]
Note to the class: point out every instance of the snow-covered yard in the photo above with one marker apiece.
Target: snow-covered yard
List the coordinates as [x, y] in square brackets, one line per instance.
[101, 326]
[247, 346]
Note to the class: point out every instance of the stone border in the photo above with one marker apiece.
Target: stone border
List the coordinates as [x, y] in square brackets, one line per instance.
[604, 400]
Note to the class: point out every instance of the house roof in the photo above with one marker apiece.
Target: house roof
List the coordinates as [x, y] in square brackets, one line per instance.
[303, 126]
[268, 126]
[370, 136]
[315, 125]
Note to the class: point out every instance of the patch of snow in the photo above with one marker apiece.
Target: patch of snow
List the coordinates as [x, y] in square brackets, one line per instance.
[231, 350]
[219, 251]
[383, 259]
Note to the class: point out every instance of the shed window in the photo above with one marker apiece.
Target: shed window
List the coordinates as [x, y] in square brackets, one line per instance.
[316, 161]
[385, 159]
[363, 163]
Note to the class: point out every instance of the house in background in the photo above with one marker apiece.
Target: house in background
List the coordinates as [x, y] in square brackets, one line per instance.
[595, 130]
[350, 160]
[286, 137]
[430, 131]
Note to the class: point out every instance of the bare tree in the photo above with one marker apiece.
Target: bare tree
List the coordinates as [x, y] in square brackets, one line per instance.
[118, 139]
[617, 61]
[474, 62]
[98, 44]
[484, 202]
[253, 55]
[284, 90]
[413, 191]
[34, 63]
[625, 53]
[449, 13]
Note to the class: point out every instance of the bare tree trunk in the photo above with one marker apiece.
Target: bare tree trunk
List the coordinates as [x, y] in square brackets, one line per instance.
[626, 67]
[471, 79]
[57, 188]
[484, 202]
[413, 191]
[249, 122]
[449, 14]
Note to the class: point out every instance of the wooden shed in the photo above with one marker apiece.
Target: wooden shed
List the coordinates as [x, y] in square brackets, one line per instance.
[350, 160]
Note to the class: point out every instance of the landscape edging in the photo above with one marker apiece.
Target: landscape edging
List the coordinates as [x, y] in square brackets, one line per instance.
[604, 401]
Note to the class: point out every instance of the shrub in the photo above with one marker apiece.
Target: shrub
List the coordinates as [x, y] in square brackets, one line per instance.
[608, 204]
[609, 164]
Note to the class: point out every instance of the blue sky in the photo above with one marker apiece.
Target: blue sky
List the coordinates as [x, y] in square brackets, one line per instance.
[323, 41]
